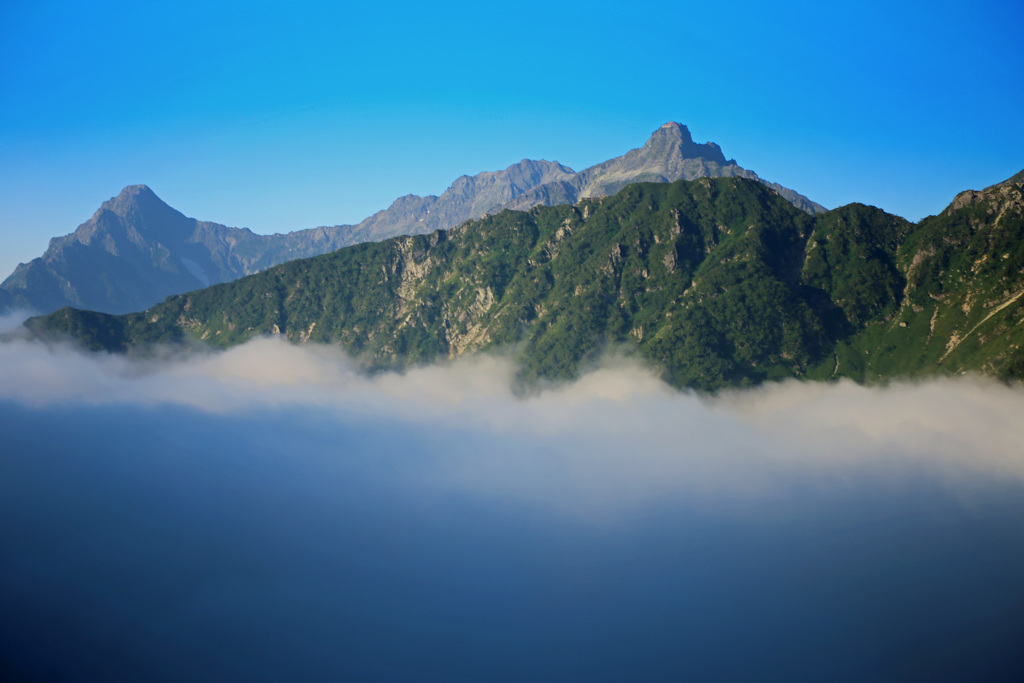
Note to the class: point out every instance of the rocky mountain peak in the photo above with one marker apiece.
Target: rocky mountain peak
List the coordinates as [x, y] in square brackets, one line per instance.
[139, 207]
[672, 130]
[673, 140]
[133, 198]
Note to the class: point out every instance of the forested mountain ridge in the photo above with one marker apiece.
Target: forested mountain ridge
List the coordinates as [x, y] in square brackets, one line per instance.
[136, 250]
[716, 282]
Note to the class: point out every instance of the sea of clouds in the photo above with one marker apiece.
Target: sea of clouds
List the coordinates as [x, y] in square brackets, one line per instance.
[271, 512]
[616, 432]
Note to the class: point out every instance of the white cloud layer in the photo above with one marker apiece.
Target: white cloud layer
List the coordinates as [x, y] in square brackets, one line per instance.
[616, 434]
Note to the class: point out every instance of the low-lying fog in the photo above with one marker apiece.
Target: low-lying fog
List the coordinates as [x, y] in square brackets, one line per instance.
[269, 513]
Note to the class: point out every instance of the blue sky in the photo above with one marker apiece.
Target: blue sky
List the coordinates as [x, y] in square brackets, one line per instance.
[283, 116]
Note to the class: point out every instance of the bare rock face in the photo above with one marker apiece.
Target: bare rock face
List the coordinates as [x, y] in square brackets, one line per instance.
[1009, 193]
[963, 199]
[669, 155]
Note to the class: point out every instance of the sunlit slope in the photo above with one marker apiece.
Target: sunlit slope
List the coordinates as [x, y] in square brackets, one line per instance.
[961, 307]
[718, 282]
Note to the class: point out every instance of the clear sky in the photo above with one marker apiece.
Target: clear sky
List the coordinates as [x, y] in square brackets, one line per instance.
[282, 116]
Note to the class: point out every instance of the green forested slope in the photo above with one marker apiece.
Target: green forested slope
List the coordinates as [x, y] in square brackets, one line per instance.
[961, 309]
[717, 282]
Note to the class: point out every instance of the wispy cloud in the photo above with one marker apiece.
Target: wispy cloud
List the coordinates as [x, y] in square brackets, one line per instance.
[13, 320]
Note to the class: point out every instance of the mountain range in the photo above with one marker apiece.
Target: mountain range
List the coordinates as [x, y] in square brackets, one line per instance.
[716, 282]
[136, 250]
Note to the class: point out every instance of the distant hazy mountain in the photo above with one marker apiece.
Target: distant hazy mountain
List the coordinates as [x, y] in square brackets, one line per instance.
[468, 197]
[136, 250]
[717, 282]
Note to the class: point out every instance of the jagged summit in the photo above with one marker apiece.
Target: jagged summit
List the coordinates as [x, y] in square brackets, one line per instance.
[674, 139]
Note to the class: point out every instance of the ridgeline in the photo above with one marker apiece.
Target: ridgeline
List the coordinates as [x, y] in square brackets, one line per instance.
[717, 282]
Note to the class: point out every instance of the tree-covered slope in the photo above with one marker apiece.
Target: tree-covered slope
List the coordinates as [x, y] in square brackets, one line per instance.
[718, 282]
[961, 308]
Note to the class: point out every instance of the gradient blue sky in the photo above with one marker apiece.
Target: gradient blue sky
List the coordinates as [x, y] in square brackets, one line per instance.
[281, 116]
